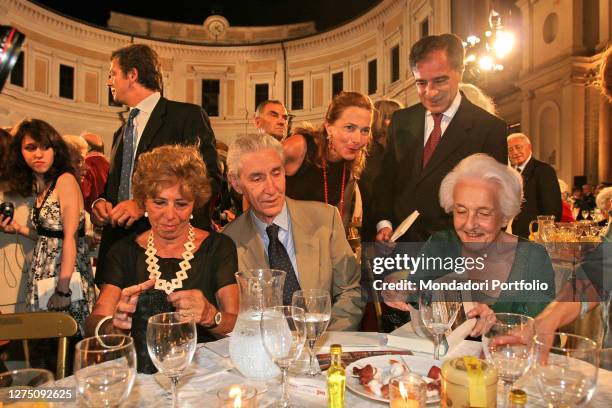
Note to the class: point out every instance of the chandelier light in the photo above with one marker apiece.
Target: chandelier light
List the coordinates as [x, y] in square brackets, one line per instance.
[486, 55]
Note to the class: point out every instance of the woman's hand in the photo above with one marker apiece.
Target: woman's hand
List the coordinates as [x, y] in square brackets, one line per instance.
[395, 298]
[9, 225]
[194, 303]
[58, 303]
[122, 318]
[484, 323]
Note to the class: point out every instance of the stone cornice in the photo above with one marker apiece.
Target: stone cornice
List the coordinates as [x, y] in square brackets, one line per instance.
[104, 40]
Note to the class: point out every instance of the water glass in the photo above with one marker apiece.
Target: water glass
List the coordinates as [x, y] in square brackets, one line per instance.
[438, 310]
[317, 307]
[565, 368]
[283, 333]
[171, 342]
[105, 369]
[507, 346]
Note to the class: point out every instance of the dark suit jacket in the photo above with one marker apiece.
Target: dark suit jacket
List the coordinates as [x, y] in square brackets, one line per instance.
[542, 196]
[404, 186]
[170, 123]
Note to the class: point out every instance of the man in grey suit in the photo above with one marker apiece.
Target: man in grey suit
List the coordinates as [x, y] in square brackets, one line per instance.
[427, 140]
[318, 256]
[135, 80]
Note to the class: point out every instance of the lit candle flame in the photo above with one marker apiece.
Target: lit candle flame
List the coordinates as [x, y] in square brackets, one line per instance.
[236, 394]
[403, 391]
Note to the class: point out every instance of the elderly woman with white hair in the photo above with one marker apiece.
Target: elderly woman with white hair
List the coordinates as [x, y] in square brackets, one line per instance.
[483, 195]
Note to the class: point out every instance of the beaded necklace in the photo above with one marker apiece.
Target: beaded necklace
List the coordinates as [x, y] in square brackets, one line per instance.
[325, 190]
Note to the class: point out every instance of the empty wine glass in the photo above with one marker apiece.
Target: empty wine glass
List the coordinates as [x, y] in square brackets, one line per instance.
[438, 310]
[171, 342]
[565, 368]
[105, 369]
[317, 307]
[24, 378]
[585, 214]
[283, 333]
[507, 346]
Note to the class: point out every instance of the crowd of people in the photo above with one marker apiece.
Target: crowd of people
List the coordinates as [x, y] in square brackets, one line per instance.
[174, 214]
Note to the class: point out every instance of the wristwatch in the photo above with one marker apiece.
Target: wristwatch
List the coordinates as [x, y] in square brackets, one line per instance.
[216, 321]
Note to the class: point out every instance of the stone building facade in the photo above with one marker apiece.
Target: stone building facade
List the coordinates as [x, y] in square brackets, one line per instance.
[550, 94]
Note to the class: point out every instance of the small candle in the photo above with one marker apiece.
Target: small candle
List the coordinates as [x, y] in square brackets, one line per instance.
[407, 391]
[237, 396]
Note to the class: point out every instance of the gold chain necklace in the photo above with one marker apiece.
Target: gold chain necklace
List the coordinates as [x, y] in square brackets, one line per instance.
[185, 265]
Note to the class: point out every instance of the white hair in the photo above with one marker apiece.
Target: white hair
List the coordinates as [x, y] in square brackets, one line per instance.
[518, 136]
[478, 97]
[248, 144]
[485, 168]
[603, 198]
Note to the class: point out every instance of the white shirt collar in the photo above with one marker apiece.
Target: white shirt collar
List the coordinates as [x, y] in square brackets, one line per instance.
[452, 109]
[148, 104]
[521, 167]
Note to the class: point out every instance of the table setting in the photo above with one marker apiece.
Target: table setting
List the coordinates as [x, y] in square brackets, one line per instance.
[426, 362]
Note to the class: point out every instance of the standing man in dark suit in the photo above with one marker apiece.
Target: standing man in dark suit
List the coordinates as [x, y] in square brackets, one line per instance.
[135, 80]
[540, 186]
[427, 140]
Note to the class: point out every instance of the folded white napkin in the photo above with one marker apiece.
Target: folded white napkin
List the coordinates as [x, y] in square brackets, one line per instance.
[418, 344]
[403, 227]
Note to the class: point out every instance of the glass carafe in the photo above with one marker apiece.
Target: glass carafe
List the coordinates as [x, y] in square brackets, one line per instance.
[545, 223]
[259, 288]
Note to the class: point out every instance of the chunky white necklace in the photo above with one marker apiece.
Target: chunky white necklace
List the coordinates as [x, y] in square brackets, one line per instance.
[181, 275]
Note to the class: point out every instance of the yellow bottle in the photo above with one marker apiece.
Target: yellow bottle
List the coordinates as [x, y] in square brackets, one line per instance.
[336, 379]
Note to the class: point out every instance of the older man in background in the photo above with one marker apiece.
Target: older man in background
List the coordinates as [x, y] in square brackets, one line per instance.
[271, 117]
[540, 186]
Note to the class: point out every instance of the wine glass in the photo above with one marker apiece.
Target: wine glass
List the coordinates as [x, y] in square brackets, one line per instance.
[575, 211]
[585, 214]
[317, 307]
[507, 346]
[438, 310]
[105, 369]
[23, 378]
[565, 368]
[283, 333]
[171, 342]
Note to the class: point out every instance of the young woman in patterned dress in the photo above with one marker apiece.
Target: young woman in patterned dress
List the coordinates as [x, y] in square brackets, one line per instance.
[40, 165]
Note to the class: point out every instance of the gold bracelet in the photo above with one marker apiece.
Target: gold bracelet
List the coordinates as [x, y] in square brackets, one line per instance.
[100, 323]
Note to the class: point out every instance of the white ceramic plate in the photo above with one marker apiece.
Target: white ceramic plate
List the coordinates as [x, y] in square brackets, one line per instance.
[417, 364]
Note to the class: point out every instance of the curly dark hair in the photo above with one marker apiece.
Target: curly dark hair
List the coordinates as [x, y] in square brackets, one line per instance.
[146, 61]
[20, 174]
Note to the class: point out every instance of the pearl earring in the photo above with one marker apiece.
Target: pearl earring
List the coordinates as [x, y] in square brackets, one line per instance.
[146, 214]
[191, 217]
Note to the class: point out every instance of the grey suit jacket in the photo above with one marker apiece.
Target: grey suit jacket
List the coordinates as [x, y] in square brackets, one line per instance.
[324, 258]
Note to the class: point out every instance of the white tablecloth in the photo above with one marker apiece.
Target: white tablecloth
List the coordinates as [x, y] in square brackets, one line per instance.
[211, 371]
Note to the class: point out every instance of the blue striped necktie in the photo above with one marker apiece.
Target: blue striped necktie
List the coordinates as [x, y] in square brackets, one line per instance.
[128, 157]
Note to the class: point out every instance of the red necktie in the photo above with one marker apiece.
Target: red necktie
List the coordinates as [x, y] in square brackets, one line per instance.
[434, 138]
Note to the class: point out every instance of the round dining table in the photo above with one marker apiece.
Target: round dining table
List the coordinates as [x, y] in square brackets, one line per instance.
[212, 370]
